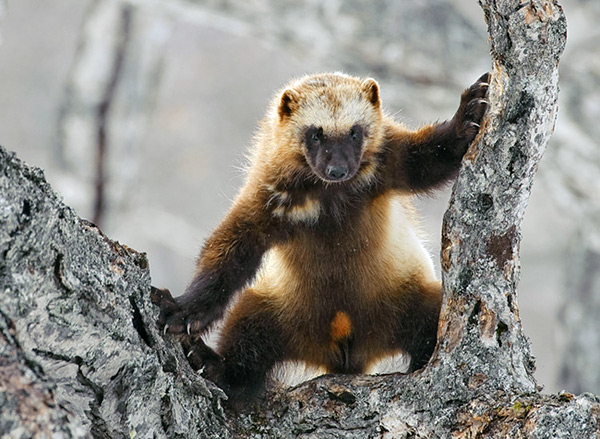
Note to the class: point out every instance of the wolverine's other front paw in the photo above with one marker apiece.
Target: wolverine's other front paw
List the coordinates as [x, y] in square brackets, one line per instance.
[171, 316]
[180, 315]
[472, 108]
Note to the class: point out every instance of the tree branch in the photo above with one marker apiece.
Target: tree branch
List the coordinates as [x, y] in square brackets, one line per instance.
[80, 353]
[481, 233]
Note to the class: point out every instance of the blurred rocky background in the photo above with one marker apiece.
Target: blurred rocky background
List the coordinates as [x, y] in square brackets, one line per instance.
[140, 112]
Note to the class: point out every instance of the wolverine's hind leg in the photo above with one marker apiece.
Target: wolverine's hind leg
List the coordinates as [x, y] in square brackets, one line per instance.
[252, 342]
[417, 326]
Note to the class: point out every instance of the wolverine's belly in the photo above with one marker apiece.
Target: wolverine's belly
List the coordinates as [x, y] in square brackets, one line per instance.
[366, 258]
[341, 293]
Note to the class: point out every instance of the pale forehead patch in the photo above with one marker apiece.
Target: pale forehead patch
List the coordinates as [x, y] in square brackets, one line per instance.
[336, 116]
[334, 108]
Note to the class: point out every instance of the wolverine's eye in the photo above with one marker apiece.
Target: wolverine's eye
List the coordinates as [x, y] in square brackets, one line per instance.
[356, 133]
[315, 135]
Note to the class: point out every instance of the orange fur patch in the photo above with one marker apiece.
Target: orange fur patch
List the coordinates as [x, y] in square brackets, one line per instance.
[341, 326]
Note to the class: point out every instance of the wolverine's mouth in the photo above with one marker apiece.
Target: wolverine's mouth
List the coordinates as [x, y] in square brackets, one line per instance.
[332, 170]
[335, 173]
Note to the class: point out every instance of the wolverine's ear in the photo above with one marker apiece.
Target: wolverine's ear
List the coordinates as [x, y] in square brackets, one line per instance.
[371, 90]
[288, 102]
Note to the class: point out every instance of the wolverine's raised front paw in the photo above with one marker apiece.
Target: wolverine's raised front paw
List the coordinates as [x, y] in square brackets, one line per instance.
[473, 105]
[180, 315]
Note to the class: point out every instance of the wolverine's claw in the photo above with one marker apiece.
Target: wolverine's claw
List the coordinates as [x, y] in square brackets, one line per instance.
[165, 329]
[188, 329]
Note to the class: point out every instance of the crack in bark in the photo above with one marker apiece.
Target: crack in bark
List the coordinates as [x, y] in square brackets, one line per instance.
[58, 357]
[58, 272]
[138, 323]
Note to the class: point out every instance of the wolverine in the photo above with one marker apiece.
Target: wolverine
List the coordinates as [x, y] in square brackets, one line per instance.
[321, 247]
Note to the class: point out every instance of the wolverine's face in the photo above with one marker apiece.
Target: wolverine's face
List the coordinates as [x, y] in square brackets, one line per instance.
[334, 156]
[336, 119]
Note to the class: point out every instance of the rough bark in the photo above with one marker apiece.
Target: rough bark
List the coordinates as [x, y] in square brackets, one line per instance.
[80, 354]
[79, 351]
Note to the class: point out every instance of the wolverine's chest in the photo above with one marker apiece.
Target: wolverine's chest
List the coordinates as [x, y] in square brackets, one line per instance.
[368, 255]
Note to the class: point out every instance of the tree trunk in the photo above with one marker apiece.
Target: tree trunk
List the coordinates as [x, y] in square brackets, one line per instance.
[81, 356]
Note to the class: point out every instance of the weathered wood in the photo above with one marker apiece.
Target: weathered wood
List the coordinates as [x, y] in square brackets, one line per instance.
[79, 350]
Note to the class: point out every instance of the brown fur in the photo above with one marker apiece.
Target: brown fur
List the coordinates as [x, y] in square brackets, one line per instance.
[323, 239]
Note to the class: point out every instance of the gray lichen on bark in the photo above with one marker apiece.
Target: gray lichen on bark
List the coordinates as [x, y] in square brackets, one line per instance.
[79, 351]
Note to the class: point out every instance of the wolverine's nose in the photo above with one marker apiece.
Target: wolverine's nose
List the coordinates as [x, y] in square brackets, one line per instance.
[337, 172]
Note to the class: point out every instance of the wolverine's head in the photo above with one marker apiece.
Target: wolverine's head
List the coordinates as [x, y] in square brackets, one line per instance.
[335, 121]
